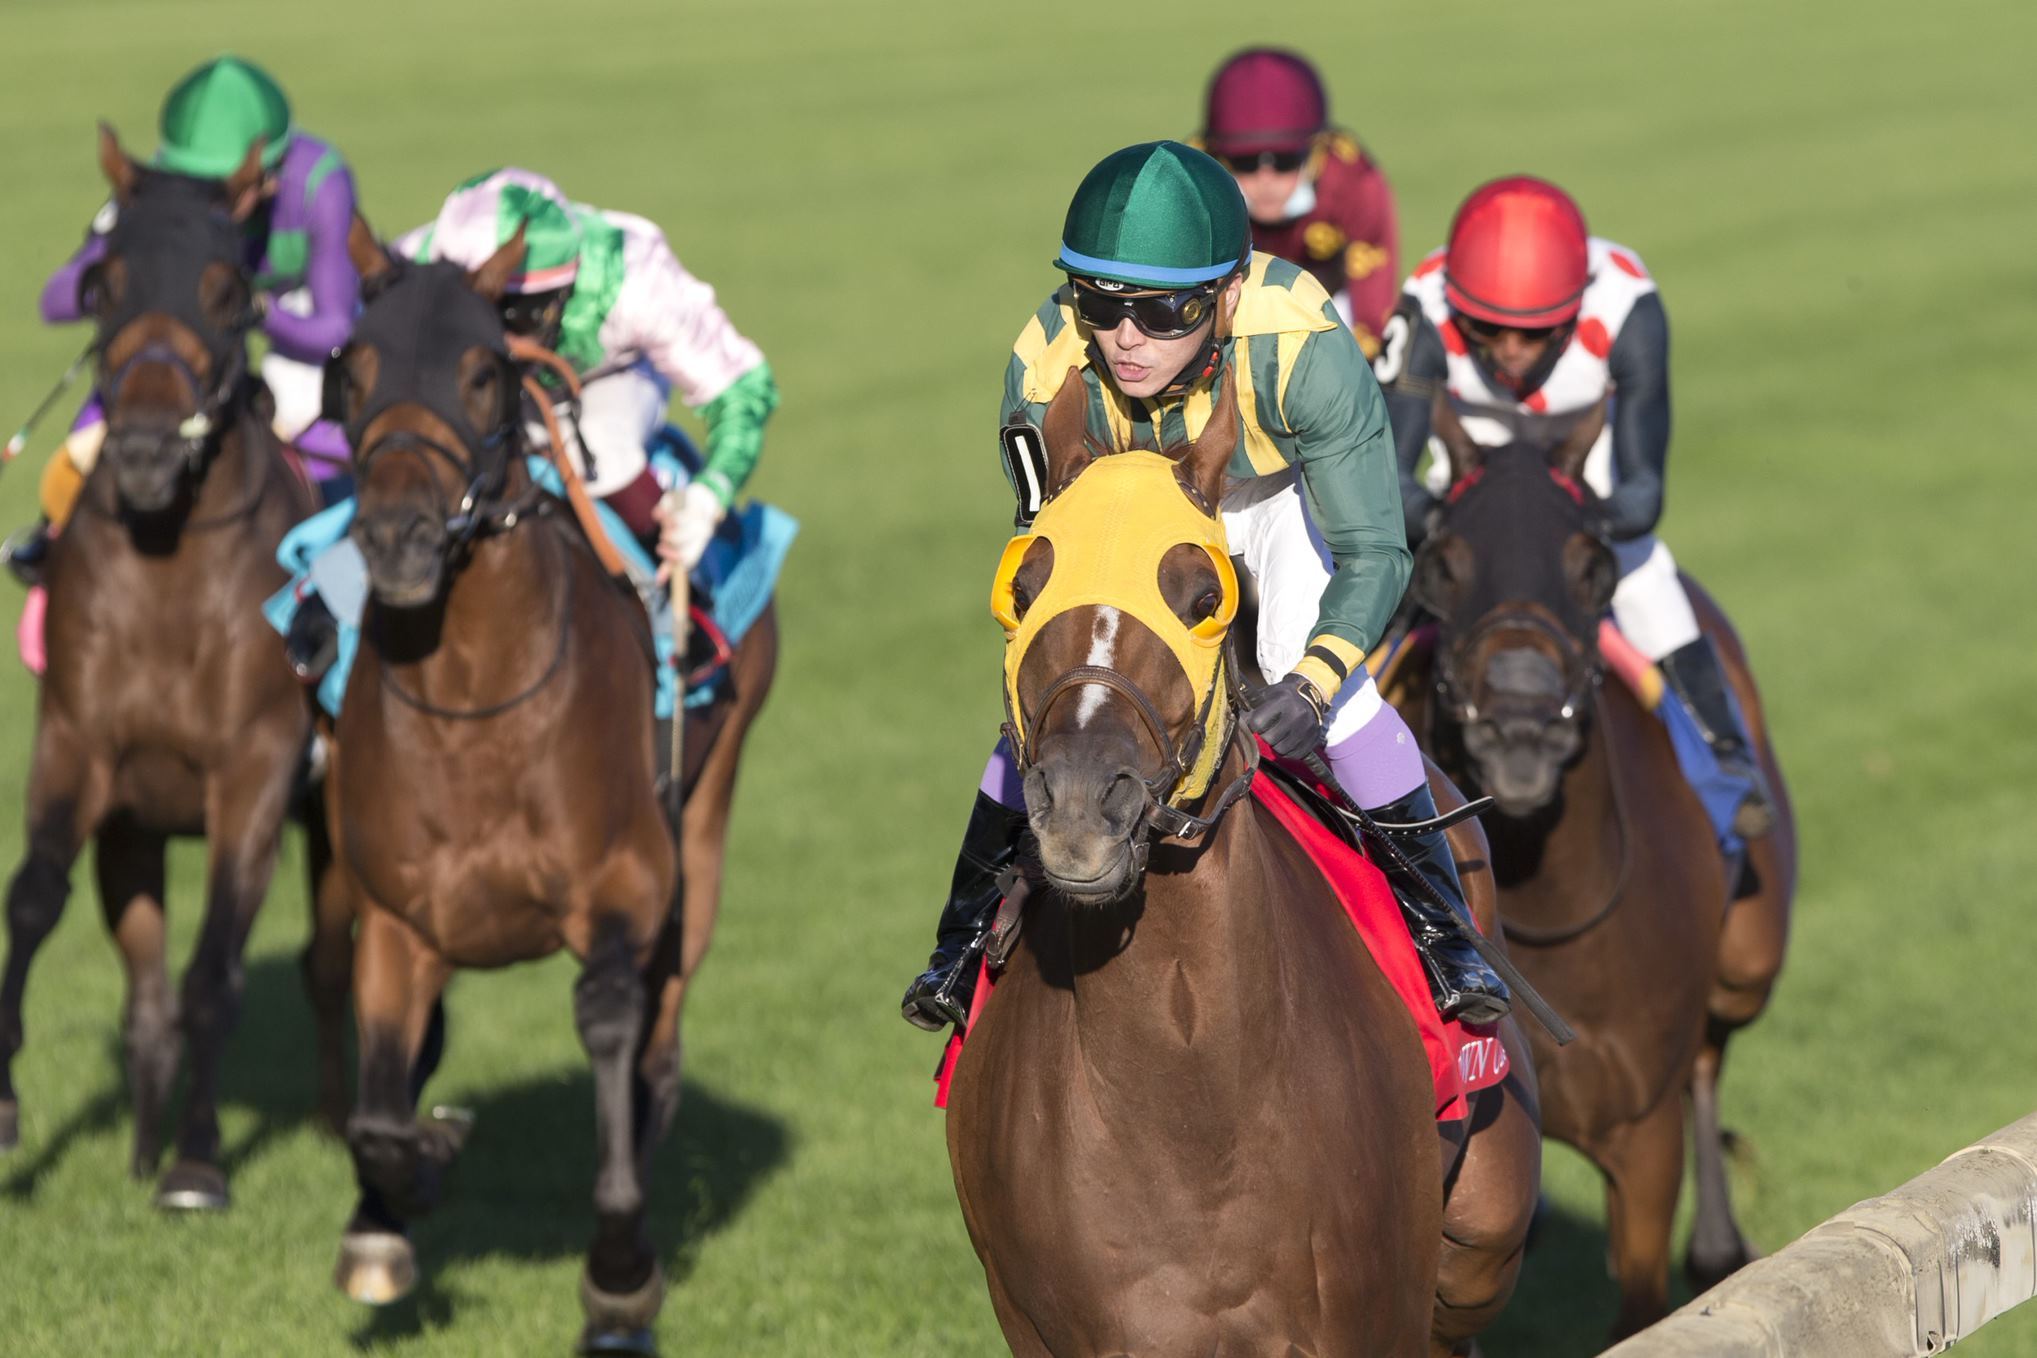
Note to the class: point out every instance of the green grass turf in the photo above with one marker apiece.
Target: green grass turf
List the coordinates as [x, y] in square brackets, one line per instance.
[1837, 200]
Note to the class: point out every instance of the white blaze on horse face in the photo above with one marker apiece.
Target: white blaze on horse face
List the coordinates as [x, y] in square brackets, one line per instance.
[1103, 640]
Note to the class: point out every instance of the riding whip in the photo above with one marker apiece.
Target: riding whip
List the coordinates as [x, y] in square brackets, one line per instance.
[20, 439]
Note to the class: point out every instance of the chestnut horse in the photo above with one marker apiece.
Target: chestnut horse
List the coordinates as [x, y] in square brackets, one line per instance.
[1616, 898]
[1195, 1118]
[492, 787]
[167, 708]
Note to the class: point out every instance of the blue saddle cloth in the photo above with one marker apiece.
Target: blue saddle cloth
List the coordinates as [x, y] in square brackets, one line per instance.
[738, 574]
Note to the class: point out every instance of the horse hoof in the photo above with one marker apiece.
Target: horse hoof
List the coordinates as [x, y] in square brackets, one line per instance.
[376, 1267]
[10, 1125]
[595, 1340]
[621, 1317]
[191, 1186]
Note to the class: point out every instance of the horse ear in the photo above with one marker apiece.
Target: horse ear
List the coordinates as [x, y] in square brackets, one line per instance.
[1569, 456]
[244, 185]
[369, 258]
[118, 167]
[1206, 460]
[1591, 573]
[1465, 456]
[491, 280]
[1066, 432]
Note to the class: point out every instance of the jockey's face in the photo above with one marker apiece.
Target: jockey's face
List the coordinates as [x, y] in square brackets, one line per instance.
[1267, 193]
[1512, 353]
[1142, 366]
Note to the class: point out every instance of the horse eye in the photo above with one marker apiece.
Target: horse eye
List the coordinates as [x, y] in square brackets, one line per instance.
[1021, 598]
[1206, 606]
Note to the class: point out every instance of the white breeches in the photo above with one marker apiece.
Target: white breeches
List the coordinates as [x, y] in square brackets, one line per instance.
[299, 389]
[619, 414]
[1267, 523]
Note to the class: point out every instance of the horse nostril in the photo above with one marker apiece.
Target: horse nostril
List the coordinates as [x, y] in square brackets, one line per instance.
[1122, 799]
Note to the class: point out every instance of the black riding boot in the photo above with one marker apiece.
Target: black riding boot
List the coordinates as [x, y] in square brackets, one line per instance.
[1464, 985]
[1699, 683]
[312, 643]
[942, 993]
[27, 551]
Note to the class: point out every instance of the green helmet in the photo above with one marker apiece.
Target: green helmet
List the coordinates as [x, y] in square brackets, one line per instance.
[1156, 215]
[215, 113]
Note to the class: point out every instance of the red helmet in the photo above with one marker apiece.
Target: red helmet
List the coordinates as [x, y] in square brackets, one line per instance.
[1263, 99]
[1518, 255]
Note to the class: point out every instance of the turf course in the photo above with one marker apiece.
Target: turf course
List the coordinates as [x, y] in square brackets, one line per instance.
[1839, 209]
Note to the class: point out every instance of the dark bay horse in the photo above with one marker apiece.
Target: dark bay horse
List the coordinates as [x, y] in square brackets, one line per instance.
[492, 787]
[167, 708]
[1195, 1118]
[1615, 896]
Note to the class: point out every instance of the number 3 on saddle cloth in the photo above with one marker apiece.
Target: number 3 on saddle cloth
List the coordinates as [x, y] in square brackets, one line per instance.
[1463, 1058]
[737, 577]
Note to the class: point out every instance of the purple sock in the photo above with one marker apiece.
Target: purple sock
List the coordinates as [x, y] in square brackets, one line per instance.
[1380, 762]
[1001, 782]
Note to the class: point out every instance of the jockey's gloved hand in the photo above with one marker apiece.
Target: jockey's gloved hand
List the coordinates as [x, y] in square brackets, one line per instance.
[687, 518]
[1289, 715]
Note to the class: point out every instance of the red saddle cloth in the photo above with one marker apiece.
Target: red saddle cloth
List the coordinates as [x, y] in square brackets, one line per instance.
[1463, 1059]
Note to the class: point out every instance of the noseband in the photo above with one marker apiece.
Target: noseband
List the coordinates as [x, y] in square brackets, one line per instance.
[1580, 658]
[1160, 813]
[482, 473]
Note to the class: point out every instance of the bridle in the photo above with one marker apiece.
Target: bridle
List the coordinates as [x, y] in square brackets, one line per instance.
[1161, 813]
[1581, 660]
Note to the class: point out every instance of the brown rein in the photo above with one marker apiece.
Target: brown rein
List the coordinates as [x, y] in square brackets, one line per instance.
[526, 350]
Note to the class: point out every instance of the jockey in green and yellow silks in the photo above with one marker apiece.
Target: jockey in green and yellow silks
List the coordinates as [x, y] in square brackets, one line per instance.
[1164, 300]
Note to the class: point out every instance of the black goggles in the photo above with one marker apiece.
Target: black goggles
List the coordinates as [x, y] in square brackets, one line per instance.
[1284, 162]
[1485, 333]
[533, 313]
[1102, 304]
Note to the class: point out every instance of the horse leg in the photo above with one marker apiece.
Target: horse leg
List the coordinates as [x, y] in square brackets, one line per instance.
[244, 809]
[129, 864]
[623, 1287]
[399, 1162]
[1489, 1201]
[328, 961]
[66, 797]
[1717, 1246]
[1643, 1164]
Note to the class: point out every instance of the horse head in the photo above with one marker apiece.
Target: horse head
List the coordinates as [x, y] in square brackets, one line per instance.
[173, 303]
[1116, 605]
[1517, 578]
[429, 399]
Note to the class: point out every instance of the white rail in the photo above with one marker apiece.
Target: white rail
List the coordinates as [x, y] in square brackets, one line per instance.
[1906, 1273]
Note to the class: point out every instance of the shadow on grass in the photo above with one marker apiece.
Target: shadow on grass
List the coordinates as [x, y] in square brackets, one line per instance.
[270, 1067]
[1566, 1299]
[523, 1188]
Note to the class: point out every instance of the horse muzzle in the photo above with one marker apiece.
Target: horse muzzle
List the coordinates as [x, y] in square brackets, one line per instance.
[1089, 820]
[149, 466]
[405, 551]
[1520, 761]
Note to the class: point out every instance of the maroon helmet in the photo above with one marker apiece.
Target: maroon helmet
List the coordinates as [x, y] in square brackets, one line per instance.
[1263, 100]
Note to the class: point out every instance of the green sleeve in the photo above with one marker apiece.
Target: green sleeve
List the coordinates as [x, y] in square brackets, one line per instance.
[735, 430]
[1344, 448]
[1016, 407]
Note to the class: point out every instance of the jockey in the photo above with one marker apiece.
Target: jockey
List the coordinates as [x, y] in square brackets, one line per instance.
[605, 292]
[1316, 198]
[1165, 298]
[1526, 322]
[306, 288]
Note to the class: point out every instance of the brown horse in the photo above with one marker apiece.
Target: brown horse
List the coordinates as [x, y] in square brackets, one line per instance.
[1195, 1118]
[167, 708]
[1615, 896]
[492, 790]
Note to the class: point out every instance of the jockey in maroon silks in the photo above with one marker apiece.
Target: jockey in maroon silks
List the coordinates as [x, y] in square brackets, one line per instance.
[1316, 196]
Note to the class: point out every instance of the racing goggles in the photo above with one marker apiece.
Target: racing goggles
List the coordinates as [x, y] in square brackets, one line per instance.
[1485, 334]
[1282, 162]
[1102, 304]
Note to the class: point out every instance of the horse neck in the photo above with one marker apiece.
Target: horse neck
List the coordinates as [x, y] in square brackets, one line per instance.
[1178, 982]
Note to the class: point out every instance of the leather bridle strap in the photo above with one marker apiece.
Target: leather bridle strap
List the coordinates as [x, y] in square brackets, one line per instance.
[1583, 657]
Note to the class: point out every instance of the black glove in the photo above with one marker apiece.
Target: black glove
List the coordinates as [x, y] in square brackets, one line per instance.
[1289, 715]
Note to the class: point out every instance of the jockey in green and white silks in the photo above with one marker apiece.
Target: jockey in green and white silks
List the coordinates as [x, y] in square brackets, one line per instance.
[1164, 301]
[605, 291]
